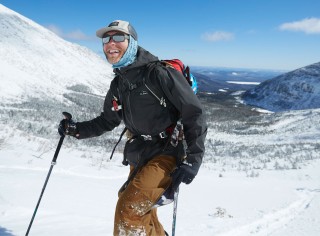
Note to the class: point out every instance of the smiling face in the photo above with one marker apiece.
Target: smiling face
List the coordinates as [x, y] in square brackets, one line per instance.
[115, 50]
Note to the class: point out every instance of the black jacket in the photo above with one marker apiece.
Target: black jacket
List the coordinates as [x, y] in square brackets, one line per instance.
[139, 88]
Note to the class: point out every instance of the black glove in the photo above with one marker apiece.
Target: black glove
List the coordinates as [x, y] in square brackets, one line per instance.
[184, 173]
[68, 127]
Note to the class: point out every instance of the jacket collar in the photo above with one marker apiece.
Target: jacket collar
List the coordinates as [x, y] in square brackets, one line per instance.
[143, 58]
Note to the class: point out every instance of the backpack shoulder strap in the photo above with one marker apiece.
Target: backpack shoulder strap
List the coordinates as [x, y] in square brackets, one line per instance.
[153, 83]
[114, 148]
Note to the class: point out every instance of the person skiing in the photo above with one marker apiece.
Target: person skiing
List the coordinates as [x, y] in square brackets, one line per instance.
[150, 99]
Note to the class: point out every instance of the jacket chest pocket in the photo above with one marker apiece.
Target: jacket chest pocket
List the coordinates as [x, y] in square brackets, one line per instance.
[142, 101]
[145, 111]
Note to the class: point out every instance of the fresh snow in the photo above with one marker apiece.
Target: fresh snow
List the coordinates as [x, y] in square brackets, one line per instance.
[80, 197]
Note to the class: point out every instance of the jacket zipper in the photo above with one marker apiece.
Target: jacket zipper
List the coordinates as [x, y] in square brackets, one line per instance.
[162, 100]
[130, 112]
[129, 104]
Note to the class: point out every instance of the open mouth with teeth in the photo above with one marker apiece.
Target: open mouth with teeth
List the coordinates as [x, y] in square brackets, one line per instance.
[113, 55]
[113, 52]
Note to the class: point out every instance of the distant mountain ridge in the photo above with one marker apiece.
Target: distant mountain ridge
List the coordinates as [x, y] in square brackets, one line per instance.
[295, 90]
[36, 62]
[212, 79]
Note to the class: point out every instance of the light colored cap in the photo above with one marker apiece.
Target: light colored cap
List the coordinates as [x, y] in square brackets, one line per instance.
[118, 25]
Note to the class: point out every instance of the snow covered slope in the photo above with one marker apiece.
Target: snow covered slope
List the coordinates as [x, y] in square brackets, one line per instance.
[295, 90]
[80, 198]
[34, 62]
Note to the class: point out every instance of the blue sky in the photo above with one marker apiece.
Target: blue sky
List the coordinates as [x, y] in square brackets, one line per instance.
[265, 34]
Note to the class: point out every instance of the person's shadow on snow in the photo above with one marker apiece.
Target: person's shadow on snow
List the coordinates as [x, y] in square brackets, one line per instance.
[5, 232]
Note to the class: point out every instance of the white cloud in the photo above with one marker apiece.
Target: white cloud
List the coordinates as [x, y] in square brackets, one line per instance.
[55, 30]
[73, 35]
[218, 36]
[307, 25]
[77, 35]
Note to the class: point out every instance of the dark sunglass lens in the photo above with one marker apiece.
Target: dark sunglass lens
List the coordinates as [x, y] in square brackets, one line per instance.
[106, 39]
[118, 38]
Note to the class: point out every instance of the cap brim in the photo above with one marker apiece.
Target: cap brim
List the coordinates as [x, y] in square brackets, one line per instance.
[104, 30]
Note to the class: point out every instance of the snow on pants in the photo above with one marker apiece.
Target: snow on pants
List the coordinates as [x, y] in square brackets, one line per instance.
[134, 213]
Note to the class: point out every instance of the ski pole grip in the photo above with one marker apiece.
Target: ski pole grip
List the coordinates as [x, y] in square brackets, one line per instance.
[67, 115]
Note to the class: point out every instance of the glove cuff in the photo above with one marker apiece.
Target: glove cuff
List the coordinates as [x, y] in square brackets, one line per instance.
[194, 166]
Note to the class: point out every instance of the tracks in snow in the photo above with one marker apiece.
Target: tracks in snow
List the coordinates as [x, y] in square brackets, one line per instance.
[276, 220]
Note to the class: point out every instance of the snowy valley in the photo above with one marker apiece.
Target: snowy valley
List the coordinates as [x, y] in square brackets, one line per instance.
[260, 174]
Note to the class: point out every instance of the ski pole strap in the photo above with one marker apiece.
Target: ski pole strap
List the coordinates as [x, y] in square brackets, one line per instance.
[133, 174]
[114, 148]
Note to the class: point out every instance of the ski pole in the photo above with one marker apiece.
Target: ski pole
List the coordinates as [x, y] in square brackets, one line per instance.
[53, 162]
[175, 208]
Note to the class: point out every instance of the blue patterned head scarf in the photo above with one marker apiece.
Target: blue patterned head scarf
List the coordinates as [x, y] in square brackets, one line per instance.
[129, 56]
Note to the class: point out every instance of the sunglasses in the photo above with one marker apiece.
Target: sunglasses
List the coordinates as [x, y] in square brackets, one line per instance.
[116, 37]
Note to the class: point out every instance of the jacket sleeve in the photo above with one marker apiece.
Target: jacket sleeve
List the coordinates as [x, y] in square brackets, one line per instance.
[106, 121]
[180, 94]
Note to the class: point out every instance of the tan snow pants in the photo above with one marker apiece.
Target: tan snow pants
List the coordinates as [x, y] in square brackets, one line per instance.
[134, 215]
